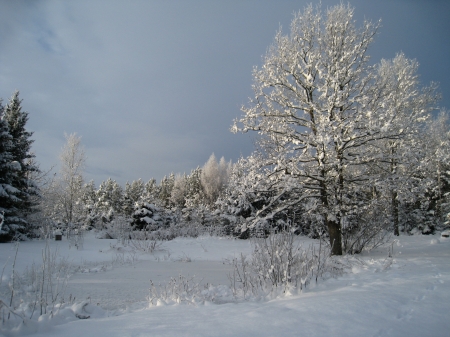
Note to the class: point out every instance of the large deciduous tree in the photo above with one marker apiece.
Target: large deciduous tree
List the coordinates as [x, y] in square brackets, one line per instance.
[321, 110]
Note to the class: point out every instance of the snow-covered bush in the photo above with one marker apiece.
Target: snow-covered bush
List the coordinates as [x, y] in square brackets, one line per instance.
[176, 291]
[365, 230]
[119, 229]
[37, 292]
[279, 263]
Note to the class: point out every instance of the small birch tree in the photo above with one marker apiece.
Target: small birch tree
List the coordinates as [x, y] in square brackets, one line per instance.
[68, 186]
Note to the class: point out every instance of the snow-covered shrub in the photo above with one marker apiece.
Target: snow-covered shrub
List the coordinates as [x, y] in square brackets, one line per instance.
[175, 230]
[143, 241]
[187, 290]
[39, 291]
[119, 229]
[177, 290]
[365, 228]
[279, 263]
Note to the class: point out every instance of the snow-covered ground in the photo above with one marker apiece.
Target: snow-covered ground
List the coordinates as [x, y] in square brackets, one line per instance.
[407, 295]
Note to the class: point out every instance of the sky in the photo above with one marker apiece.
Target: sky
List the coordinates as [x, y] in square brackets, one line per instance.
[152, 87]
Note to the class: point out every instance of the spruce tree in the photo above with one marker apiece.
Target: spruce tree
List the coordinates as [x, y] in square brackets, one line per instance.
[8, 173]
[16, 120]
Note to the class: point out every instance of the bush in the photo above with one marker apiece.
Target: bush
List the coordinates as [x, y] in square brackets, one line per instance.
[280, 263]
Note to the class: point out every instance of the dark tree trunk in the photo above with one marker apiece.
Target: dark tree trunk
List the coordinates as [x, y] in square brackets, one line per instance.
[334, 230]
[395, 212]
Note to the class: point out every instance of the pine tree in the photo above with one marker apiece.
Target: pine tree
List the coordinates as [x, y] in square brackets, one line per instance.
[151, 191]
[166, 187]
[194, 188]
[110, 199]
[133, 192]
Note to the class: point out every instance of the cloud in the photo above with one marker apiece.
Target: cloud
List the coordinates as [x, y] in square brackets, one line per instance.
[153, 86]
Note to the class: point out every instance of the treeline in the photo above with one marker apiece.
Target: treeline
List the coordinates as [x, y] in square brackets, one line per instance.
[251, 197]
[148, 206]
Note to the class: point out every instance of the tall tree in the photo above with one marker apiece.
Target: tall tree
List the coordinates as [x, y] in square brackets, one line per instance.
[133, 193]
[319, 106]
[17, 119]
[70, 182]
[179, 191]
[434, 171]
[110, 198]
[151, 191]
[406, 108]
[165, 189]
[8, 174]
[194, 188]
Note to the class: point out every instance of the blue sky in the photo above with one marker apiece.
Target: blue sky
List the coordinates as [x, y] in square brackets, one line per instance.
[153, 86]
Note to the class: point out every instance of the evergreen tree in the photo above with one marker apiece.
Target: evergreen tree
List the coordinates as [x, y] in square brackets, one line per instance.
[194, 188]
[151, 191]
[166, 187]
[109, 199]
[8, 174]
[88, 203]
[133, 192]
[24, 205]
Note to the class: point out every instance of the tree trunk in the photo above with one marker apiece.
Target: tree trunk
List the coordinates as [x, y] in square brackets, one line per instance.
[395, 212]
[334, 230]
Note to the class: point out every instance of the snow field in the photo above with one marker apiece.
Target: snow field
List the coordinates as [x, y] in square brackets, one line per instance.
[405, 295]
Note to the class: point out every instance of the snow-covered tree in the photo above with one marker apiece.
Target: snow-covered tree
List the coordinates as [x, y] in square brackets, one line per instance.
[87, 201]
[165, 189]
[133, 193]
[319, 107]
[194, 188]
[68, 185]
[149, 217]
[8, 174]
[433, 174]
[151, 191]
[406, 108]
[109, 198]
[246, 193]
[179, 191]
[25, 203]
[214, 177]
